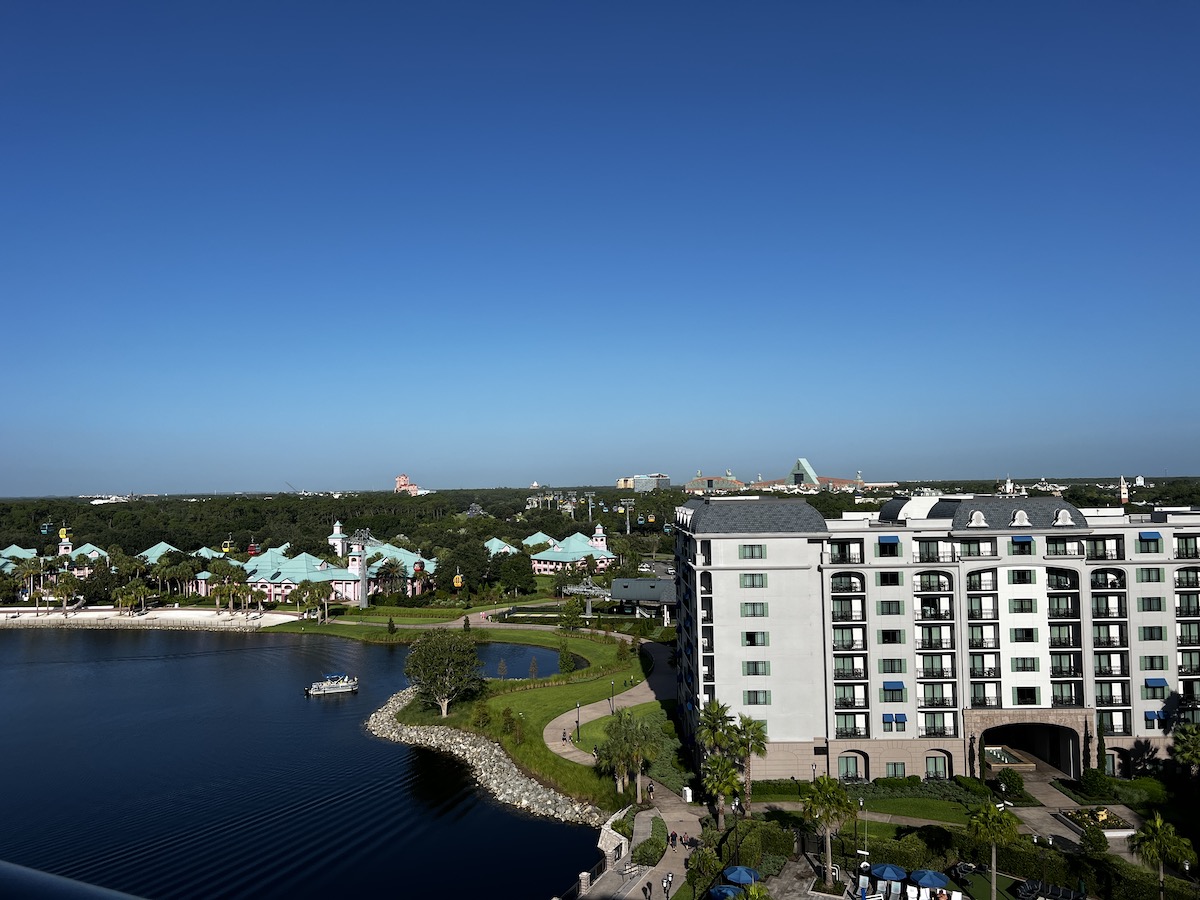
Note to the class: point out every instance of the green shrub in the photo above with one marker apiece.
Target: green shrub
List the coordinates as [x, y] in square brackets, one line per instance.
[651, 850]
[771, 864]
[624, 825]
[972, 786]
[777, 840]
[1093, 841]
[1094, 783]
[1014, 784]
[481, 716]
[776, 787]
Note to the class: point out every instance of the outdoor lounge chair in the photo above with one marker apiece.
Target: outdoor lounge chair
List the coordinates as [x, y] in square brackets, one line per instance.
[911, 892]
[956, 895]
[923, 894]
[895, 890]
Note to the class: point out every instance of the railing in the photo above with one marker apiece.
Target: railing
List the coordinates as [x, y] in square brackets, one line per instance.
[1112, 701]
[1091, 553]
[1188, 553]
[856, 674]
[1065, 701]
[934, 556]
[1063, 613]
[1064, 641]
[983, 643]
[943, 702]
[1060, 550]
[934, 644]
[989, 613]
[941, 614]
[850, 732]
[936, 731]
[845, 559]
[849, 645]
[935, 673]
[1108, 642]
[933, 587]
[846, 587]
[1061, 584]
[979, 702]
[976, 585]
[1065, 672]
[985, 672]
[1189, 670]
[1116, 730]
[1187, 610]
[1187, 581]
[1188, 640]
[853, 616]
[1110, 672]
[850, 702]
[1106, 613]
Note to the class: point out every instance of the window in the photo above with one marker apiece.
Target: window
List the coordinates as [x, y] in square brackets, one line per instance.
[1150, 633]
[1020, 576]
[1023, 635]
[753, 580]
[888, 550]
[1056, 547]
[901, 722]
[891, 636]
[754, 610]
[1150, 604]
[756, 698]
[890, 608]
[1022, 548]
[1149, 575]
[970, 548]
[1149, 545]
[891, 666]
[894, 695]
[755, 639]
[1154, 691]
[888, 579]
[1023, 605]
[847, 767]
[1153, 663]
[1025, 664]
[1025, 696]
[752, 551]
[935, 767]
[894, 770]
[756, 667]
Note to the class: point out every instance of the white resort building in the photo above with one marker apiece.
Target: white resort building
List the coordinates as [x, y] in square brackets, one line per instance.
[904, 642]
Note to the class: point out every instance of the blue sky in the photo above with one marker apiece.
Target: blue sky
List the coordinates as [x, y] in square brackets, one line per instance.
[246, 244]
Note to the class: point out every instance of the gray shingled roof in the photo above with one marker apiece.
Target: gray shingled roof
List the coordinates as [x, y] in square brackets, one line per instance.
[998, 512]
[759, 515]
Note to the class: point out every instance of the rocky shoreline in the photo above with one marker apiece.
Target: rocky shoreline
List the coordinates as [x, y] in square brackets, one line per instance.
[493, 769]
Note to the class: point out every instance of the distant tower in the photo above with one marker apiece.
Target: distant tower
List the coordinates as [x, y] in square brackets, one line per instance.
[404, 486]
[599, 539]
[338, 540]
[1124, 485]
[64, 541]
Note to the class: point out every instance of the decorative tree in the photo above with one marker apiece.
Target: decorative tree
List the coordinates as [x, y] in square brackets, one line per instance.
[828, 806]
[444, 666]
[747, 740]
[1156, 842]
[994, 826]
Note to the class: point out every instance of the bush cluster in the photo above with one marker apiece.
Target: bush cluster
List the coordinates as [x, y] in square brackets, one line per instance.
[651, 850]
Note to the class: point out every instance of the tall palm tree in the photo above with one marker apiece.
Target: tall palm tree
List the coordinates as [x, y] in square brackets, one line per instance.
[713, 732]
[1156, 842]
[995, 826]
[644, 744]
[1185, 747]
[65, 587]
[748, 739]
[29, 569]
[828, 805]
[720, 779]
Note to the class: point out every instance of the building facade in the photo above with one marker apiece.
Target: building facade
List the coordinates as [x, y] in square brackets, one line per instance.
[906, 642]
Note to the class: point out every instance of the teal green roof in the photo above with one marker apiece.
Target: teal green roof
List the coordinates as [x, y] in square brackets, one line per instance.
[406, 557]
[539, 538]
[495, 545]
[569, 555]
[209, 553]
[12, 551]
[156, 552]
[88, 550]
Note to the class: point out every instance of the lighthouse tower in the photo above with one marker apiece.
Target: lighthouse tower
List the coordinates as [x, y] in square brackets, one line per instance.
[1124, 485]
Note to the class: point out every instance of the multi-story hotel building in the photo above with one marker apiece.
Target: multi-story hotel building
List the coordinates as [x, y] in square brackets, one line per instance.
[904, 642]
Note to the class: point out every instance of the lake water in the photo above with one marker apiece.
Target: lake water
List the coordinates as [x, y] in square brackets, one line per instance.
[179, 764]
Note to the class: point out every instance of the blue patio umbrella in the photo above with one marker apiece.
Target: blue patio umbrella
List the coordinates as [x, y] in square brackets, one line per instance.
[742, 875]
[928, 878]
[725, 892]
[888, 872]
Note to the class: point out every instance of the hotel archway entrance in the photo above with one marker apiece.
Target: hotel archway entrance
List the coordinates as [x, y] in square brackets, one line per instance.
[1019, 739]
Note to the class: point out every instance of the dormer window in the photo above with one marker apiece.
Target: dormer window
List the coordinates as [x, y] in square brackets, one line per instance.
[1020, 519]
[1063, 517]
[977, 520]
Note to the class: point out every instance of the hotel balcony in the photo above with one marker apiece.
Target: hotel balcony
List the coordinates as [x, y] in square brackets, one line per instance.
[1187, 580]
[1189, 670]
[983, 643]
[1116, 730]
[854, 615]
[845, 558]
[1110, 641]
[933, 556]
[1098, 553]
[987, 612]
[1067, 642]
[850, 702]
[850, 674]
[934, 644]
[1068, 612]
[936, 731]
[981, 702]
[1112, 701]
[849, 645]
[851, 733]
[935, 673]
[1111, 672]
[1188, 553]
[980, 584]
[937, 702]
[1188, 640]
[1105, 612]
[934, 614]
[985, 672]
[933, 586]
[1065, 672]
[846, 587]
[1188, 610]
[1102, 582]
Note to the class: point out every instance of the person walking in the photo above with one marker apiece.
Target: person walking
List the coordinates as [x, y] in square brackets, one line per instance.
[666, 888]
[650, 790]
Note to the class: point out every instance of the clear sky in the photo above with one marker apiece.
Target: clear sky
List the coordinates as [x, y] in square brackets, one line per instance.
[250, 243]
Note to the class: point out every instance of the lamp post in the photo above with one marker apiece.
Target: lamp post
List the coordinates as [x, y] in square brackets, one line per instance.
[612, 690]
[576, 723]
[814, 778]
[861, 807]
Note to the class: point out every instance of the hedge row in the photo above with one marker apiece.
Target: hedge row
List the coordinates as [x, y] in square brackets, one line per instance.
[651, 850]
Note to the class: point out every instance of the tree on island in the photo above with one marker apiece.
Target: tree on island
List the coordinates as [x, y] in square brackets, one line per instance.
[444, 667]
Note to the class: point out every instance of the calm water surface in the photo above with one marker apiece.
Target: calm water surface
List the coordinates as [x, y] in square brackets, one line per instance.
[170, 764]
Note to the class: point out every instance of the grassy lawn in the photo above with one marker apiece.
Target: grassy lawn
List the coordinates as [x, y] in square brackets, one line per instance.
[949, 811]
[980, 886]
[592, 733]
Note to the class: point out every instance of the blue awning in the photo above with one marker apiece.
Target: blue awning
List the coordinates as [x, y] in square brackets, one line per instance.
[1151, 715]
[889, 539]
[893, 685]
[1149, 536]
[887, 718]
[901, 717]
[1162, 714]
[1022, 539]
[1156, 682]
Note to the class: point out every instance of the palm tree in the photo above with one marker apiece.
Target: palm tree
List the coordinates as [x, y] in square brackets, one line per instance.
[30, 569]
[713, 732]
[644, 744]
[391, 573]
[995, 826]
[748, 739]
[1185, 747]
[720, 779]
[1156, 842]
[829, 806]
[65, 587]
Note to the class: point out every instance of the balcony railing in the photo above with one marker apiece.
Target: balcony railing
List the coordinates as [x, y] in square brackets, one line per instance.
[1060, 612]
[985, 701]
[936, 731]
[852, 616]
[1065, 672]
[1105, 612]
[983, 643]
[1111, 672]
[1116, 730]
[850, 732]
[941, 702]
[933, 587]
[934, 644]
[1189, 670]
[1108, 641]
[1187, 581]
[1099, 553]
[985, 672]
[941, 614]
[1188, 553]
[846, 587]
[850, 702]
[976, 584]
[1188, 609]
[1188, 640]
[1063, 550]
[1061, 584]
[986, 613]
[845, 559]
[1066, 701]
[1107, 584]
[853, 674]
[1112, 701]
[934, 556]
[1071, 641]
[935, 673]
[849, 645]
